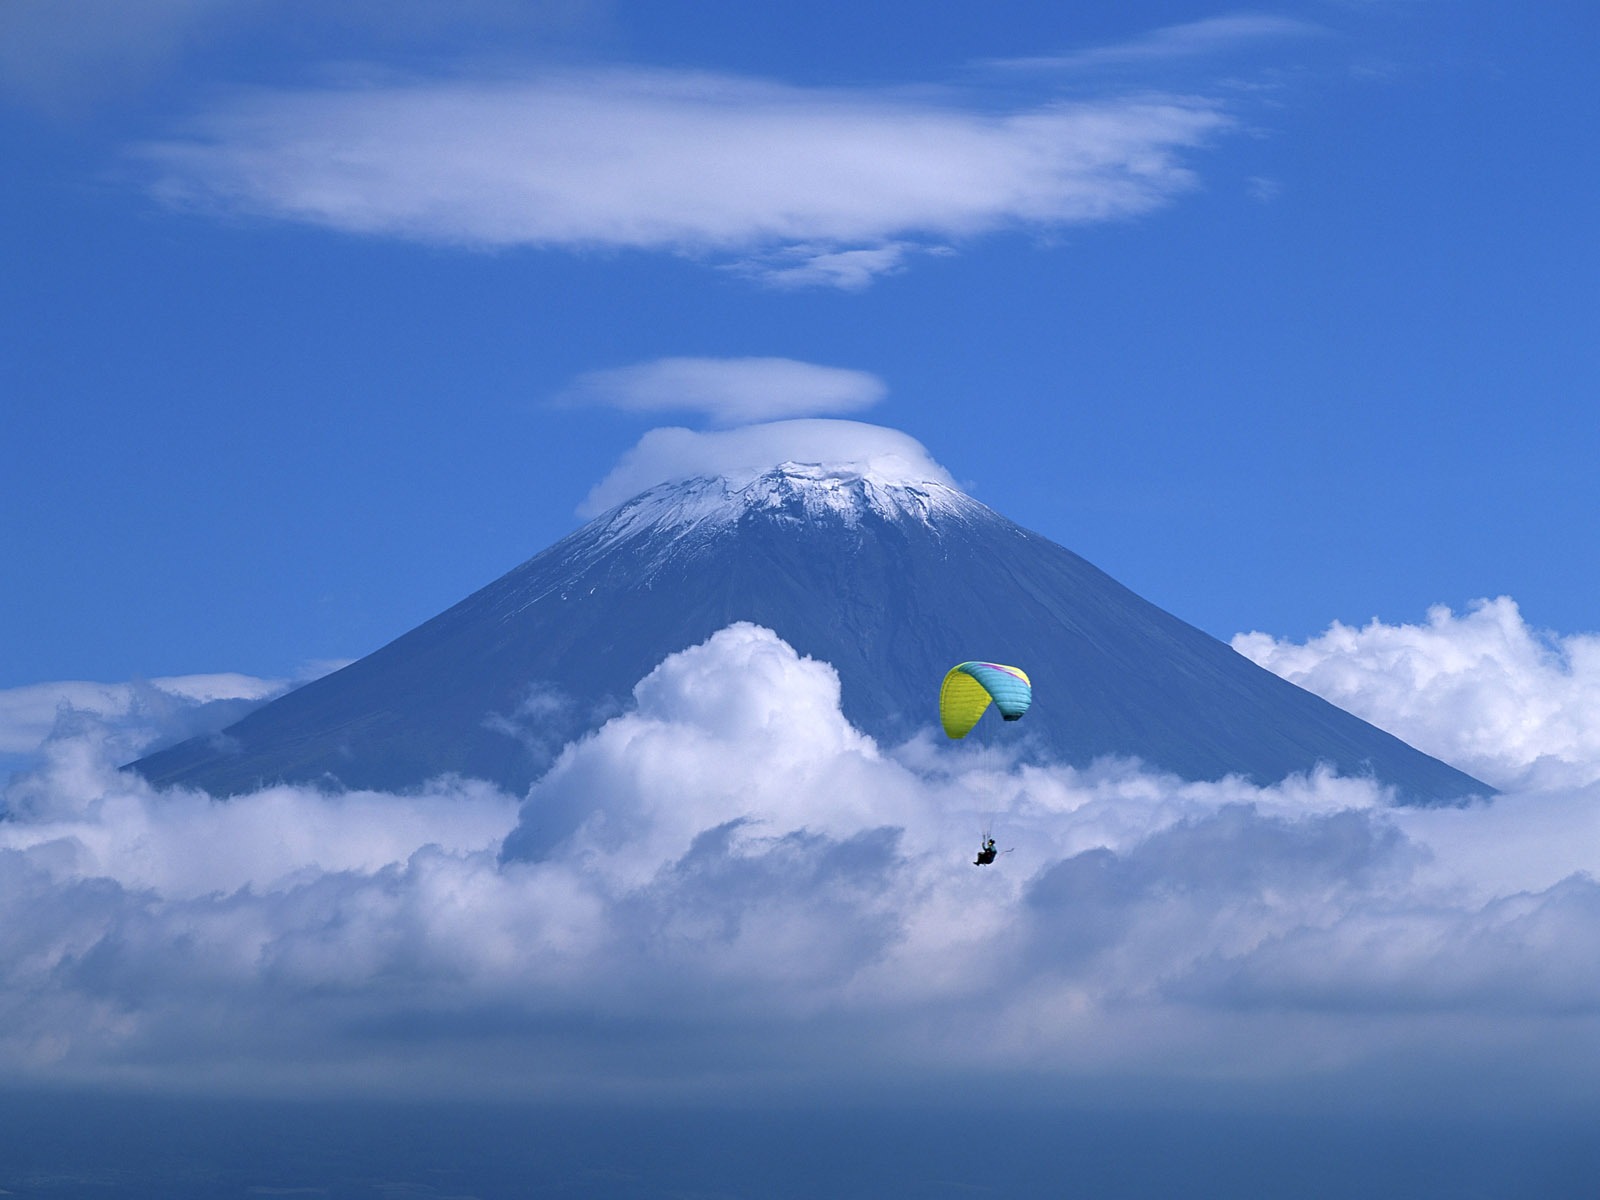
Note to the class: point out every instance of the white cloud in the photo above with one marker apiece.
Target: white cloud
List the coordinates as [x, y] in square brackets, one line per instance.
[729, 886]
[1482, 691]
[664, 455]
[700, 164]
[731, 391]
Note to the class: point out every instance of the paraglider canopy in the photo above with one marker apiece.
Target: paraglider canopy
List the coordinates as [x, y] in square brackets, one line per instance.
[970, 687]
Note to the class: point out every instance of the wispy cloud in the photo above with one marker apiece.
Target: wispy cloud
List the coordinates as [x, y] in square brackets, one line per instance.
[729, 391]
[728, 885]
[1193, 39]
[1262, 189]
[59, 52]
[797, 185]
[803, 266]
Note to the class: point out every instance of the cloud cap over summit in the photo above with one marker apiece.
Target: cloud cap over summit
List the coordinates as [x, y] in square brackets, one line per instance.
[740, 455]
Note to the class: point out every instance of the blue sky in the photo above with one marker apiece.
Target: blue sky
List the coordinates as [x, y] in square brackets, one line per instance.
[1330, 359]
[1285, 317]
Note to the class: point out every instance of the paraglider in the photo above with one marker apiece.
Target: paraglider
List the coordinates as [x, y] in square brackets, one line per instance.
[968, 690]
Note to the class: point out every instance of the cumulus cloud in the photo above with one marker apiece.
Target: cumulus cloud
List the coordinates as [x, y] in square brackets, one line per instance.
[806, 185]
[1513, 706]
[730, 391]
[743, 454]
[733, 728]
[729, 886]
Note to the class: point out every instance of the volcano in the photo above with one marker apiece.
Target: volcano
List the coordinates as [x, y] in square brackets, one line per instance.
[890, 576]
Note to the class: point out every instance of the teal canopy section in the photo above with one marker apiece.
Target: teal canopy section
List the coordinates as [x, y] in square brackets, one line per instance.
[1008, 687]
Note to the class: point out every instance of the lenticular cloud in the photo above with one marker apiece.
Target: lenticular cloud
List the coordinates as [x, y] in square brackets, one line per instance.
[731, 391]
[729, 887]
[800, 186]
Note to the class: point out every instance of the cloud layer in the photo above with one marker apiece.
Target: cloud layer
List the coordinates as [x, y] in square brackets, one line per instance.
[728, 887]
[793, 184]
[730, 391]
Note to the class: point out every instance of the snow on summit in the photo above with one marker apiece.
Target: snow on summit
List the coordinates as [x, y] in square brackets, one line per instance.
[817, 449]
[822, 492]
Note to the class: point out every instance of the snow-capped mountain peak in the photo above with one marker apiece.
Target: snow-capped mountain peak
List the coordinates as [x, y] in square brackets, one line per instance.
[857, 550]
[838, 494]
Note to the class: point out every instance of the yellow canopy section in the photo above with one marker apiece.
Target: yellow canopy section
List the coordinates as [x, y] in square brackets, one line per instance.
[962, 700]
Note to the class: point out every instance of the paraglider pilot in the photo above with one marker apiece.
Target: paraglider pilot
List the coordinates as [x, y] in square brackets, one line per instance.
[967, 691]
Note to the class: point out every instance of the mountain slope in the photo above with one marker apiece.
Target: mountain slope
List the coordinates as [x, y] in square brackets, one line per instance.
[891, 581]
